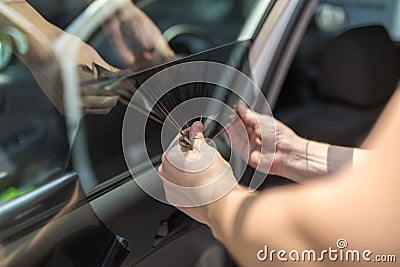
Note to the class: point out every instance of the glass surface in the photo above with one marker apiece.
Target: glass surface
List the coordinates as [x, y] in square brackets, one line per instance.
[34, 147]
[189, 27]
[103, 134]
[33, 141]
[207, 30]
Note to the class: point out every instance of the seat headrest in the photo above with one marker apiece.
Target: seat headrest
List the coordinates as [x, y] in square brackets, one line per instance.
[360, 68]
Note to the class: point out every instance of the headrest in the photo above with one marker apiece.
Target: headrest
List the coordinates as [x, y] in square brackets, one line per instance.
[360, 68]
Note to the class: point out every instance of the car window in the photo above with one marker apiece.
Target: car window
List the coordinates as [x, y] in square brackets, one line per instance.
[35, 106]
[33, 137]
[205, 26]
[189, 27]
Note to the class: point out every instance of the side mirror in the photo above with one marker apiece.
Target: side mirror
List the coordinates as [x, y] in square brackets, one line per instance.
[330, 18]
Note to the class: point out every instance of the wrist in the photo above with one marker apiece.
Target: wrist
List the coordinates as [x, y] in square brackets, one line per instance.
[304, 160]
[222, 213]
[290, 156]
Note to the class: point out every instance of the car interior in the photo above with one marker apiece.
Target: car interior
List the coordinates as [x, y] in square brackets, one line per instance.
[345, 70]
[330, 94]
[339, 82]
[342, 77]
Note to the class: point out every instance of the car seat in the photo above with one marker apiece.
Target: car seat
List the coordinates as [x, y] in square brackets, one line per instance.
[358, 74]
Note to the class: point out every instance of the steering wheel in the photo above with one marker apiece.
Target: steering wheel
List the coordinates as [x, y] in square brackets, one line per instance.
[187, 39]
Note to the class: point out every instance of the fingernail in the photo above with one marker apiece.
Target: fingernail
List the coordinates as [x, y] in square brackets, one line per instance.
[198, 125]
[242, 107]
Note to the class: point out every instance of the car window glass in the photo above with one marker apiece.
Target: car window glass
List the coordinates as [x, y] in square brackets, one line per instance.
[189, 27]
[204, 25]
[33, 138]
[34, 147]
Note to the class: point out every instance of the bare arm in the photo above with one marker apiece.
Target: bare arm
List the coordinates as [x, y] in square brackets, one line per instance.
[41, 35]
[309, 159]
[295, 158]
[41, 61]
[357, 204]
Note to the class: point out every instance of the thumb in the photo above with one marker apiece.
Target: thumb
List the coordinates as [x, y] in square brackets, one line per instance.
[248, 116]
[196, 135]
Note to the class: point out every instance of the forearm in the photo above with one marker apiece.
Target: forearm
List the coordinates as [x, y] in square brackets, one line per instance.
[39, 37]
[245, 222]
[221, 218]
[39, 33]
[310, 159]
[224, 216]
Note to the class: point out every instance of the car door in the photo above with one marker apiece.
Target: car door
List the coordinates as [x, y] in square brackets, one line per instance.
[94, 213]
[30, 142]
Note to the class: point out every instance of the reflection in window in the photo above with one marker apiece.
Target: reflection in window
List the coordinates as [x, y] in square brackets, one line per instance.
[186, 33]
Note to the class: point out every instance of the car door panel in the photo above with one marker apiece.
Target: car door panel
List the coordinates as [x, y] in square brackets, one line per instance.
[43, 227]
[32, 134]
[137, 217]
[195, 248]
[120, 203]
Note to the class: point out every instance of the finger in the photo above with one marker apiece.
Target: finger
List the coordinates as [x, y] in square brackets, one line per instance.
[196, 128]
[247, 115]
[93, 90]
[98, 111]
[90, 56]
[251, 118]
[242, 107]
[258, 141]
[99, 102]
[196, 135]
[118, 40]
[254, 158]
[257, 131]
[250, 130]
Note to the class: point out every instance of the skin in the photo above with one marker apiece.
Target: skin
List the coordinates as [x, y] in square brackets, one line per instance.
[135, 37]
[356, 202]
[42, 63]
[295, 158]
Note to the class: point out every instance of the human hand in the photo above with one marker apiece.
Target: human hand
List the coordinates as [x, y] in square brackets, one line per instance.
[94, 100]
[47, 72]
[137, 40]
[193, 179]
[271, 143]
[40, 36]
